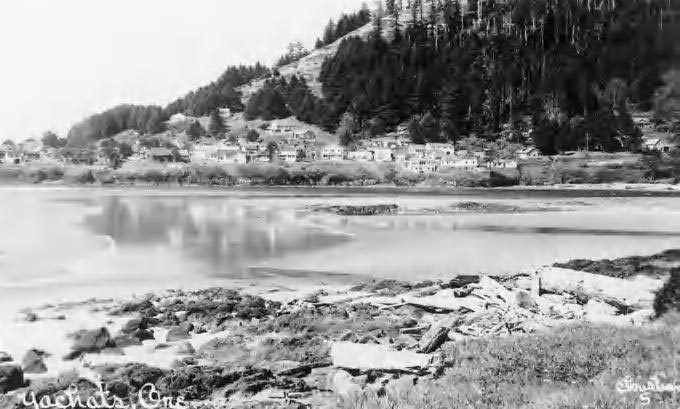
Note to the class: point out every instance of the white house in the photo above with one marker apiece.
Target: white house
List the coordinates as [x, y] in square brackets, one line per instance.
[9, 155]
[420, 165]
[401, 156]
[361, 155]
[278, 128]
[502, 164]
[202, 153]
[416, 149]
[177, 119]
[528, 153]
[225, 113]
[304, 135]
[382, 155]
[229, 156]
[465, 162]
[288, 154]
[333, 152]
[659, 142]
[443, 148]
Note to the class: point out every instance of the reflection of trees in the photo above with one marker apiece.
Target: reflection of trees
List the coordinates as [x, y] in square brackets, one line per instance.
[222, 233]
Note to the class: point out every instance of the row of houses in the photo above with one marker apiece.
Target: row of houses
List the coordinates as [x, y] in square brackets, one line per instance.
[425, 158]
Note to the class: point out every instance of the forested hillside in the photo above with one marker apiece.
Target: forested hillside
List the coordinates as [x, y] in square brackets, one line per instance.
[570, 64]
[149, 119]
[450, 68]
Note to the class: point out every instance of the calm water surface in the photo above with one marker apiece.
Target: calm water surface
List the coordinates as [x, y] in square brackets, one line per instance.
[98, 237]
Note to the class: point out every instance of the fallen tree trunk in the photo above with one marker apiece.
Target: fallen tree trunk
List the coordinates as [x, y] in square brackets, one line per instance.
[625, 295]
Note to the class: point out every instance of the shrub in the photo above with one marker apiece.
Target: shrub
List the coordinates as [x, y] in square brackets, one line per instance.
[80, 175]
[668, 297]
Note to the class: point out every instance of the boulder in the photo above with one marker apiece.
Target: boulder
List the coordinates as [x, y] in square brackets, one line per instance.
[30, 316]
[186, 348]
[90, 341]
[5, 357]
[180, 332]
[366, 357]
[135, 324]
[33, 362]
[125, 340]
[11, 378]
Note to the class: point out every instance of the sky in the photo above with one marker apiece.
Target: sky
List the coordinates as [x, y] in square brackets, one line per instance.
[62, 60]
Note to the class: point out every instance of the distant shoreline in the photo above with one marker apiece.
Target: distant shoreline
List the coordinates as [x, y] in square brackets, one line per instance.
[590, 189]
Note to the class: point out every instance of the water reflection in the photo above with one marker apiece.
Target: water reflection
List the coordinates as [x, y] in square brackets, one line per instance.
[225, 233]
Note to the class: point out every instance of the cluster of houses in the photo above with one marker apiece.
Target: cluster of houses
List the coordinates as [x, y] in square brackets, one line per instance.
[655, 138]
[23, 152]
[289, 144]
[420, 158]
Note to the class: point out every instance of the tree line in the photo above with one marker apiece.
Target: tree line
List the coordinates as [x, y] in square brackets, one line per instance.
[574, 66]
[222, 93]
[345, 25]
[281, 97]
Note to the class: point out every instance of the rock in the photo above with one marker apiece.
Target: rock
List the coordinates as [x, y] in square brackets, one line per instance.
[161, 346]
[186, 349]
[135, 375]
[186, 361]
[143, 334]
[5, 357]
[194, 382]
[30, 316]
[143, 306]
[365, 357]
[11, 378]
[33, 362]
[181, 315]
[358, 210]
[124, 341]
[135, 324]
[180, 332]
[90, 341]
[49, 386]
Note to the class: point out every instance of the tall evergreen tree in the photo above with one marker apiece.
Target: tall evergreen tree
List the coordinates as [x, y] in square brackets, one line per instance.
[216, 127]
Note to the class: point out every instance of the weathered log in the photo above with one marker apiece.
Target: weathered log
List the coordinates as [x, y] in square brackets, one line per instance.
[377, 357]
[461, 281]
[625, 295]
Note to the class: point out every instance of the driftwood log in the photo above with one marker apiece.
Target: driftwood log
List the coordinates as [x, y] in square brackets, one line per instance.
[625, 295]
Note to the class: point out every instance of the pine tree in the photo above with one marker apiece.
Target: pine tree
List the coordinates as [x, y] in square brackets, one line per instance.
[216, 127]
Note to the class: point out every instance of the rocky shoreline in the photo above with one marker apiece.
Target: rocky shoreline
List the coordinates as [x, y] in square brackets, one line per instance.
[232, 349]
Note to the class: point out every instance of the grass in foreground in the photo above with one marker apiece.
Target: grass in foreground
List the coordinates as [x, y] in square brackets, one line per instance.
[572, 367]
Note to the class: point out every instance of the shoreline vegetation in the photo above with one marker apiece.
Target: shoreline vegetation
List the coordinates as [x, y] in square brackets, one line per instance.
[534, 173]
[554, 337]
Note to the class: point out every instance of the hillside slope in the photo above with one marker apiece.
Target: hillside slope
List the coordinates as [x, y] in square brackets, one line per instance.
[309, 67]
